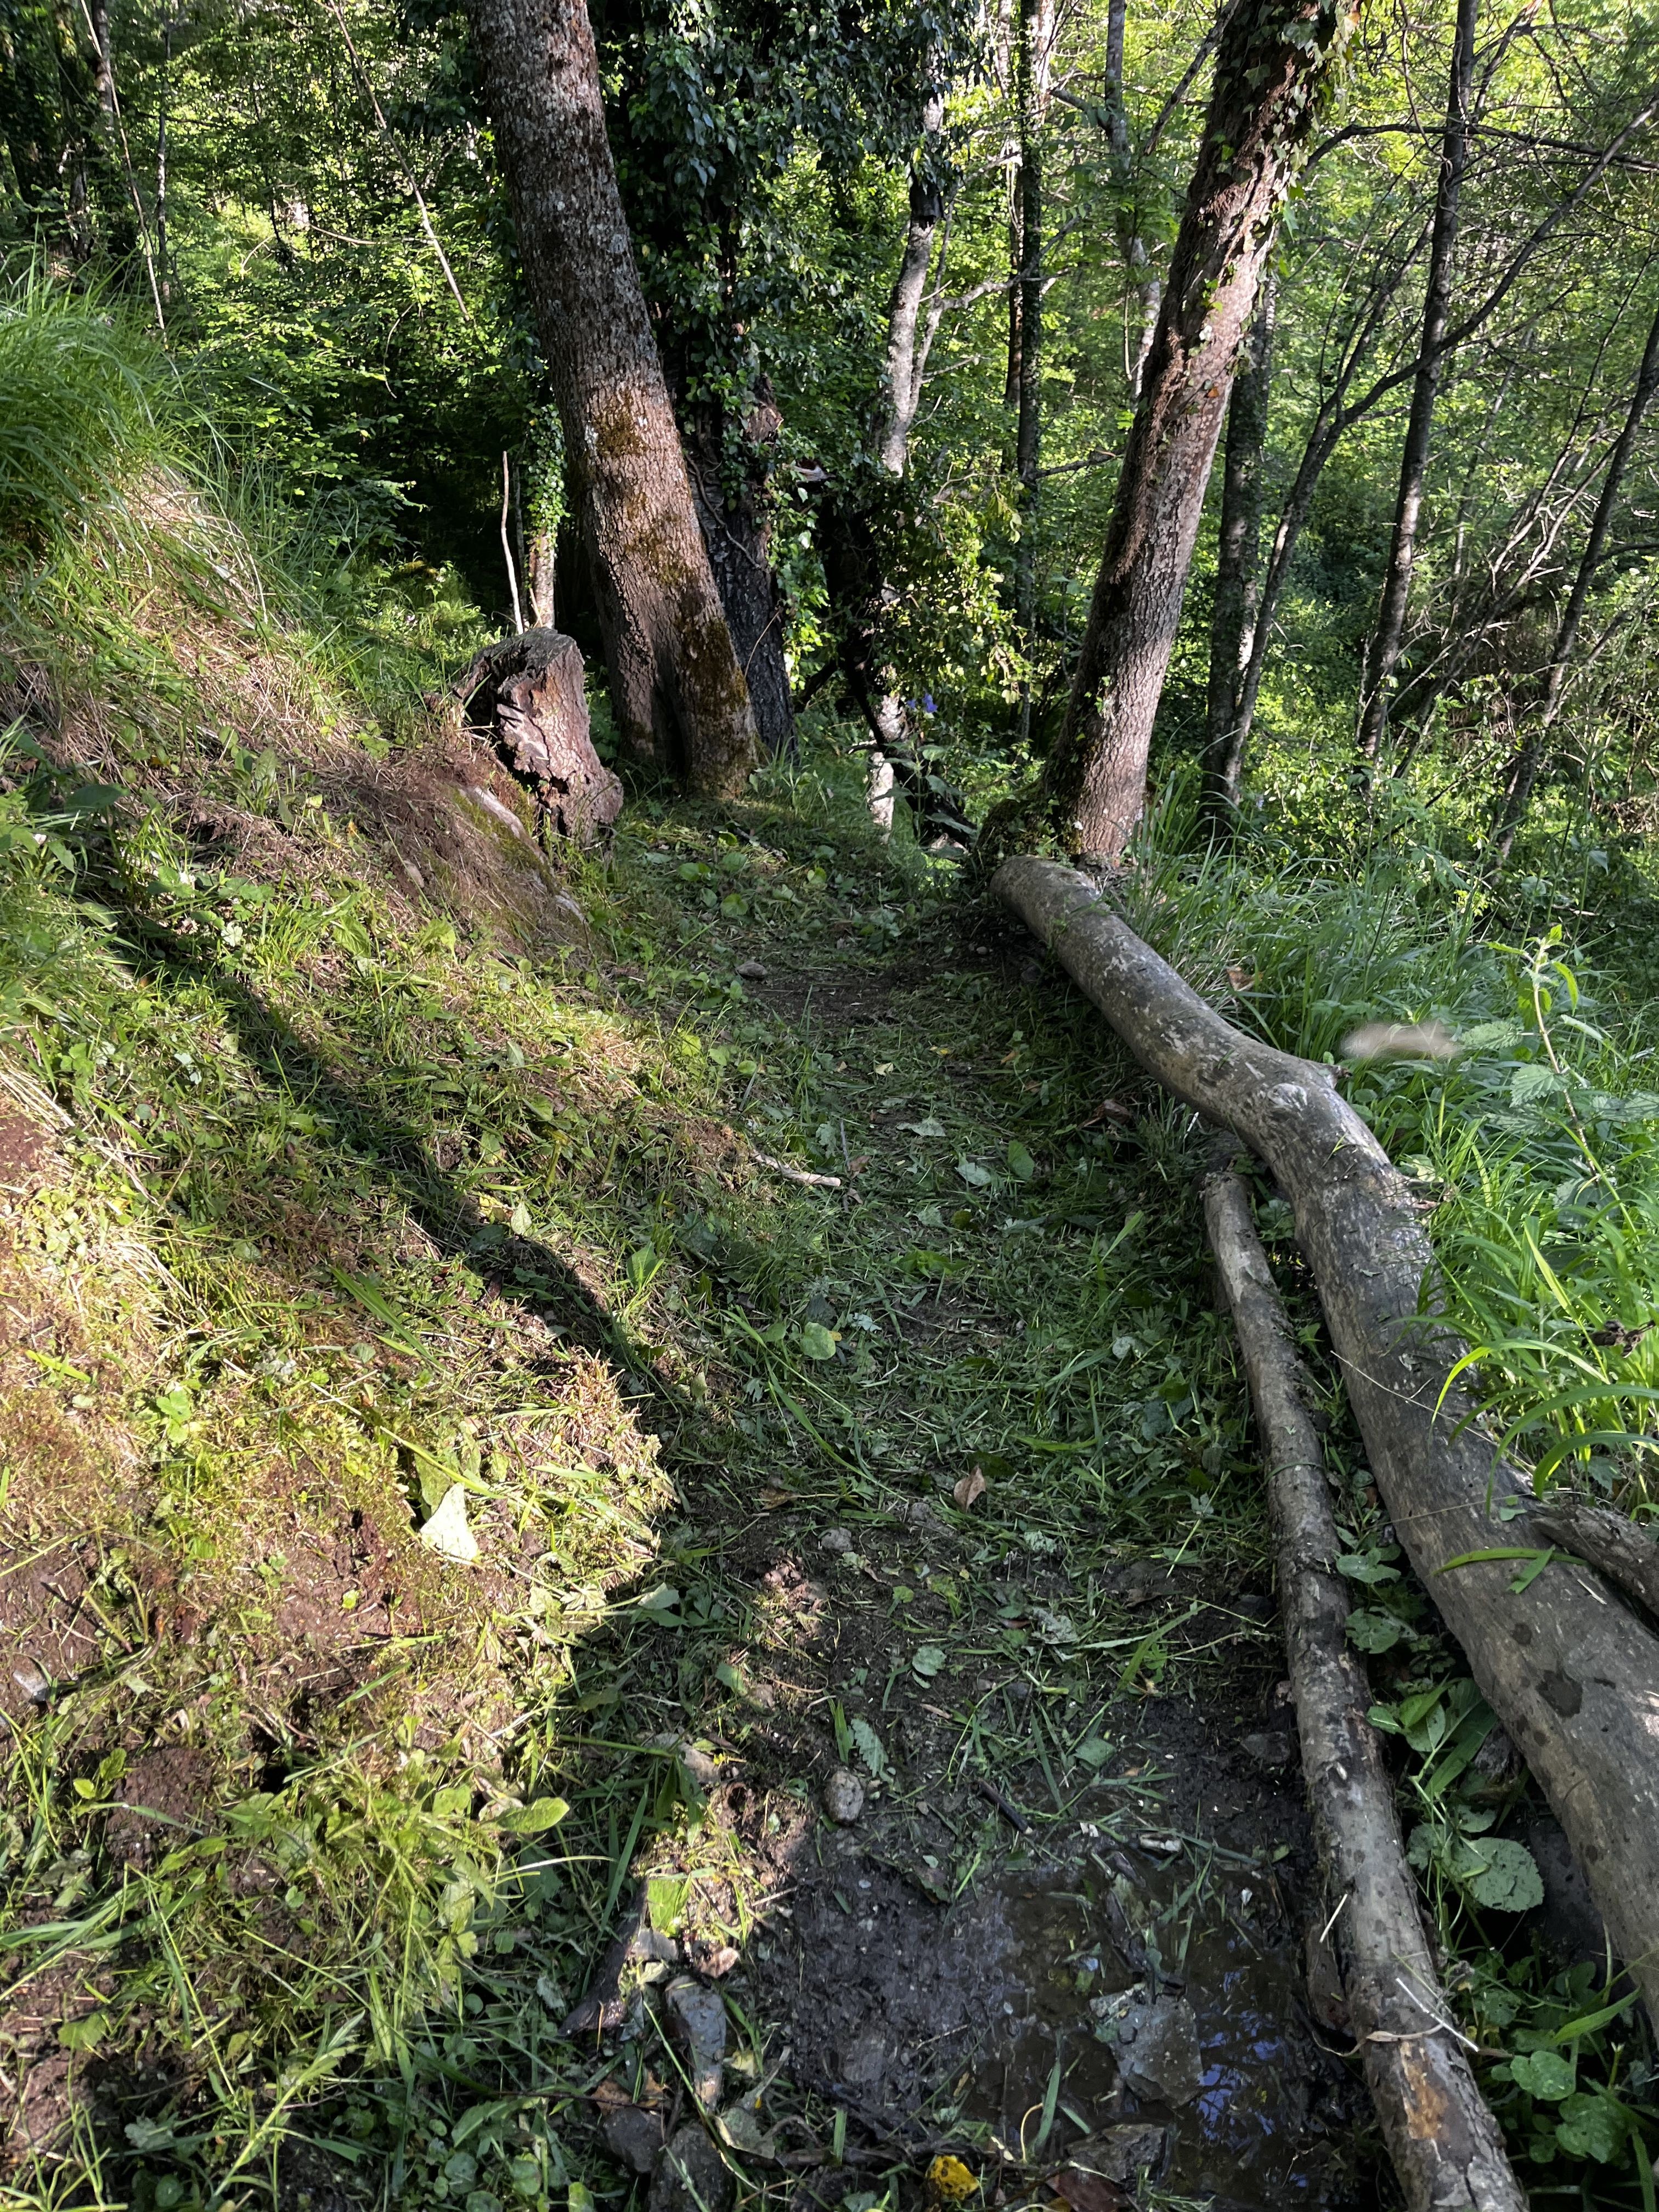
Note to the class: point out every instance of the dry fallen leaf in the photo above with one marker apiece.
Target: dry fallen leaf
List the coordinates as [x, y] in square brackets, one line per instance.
[1111, 1109]
[1088, 2192]
[1242, 979]
[970, 1487]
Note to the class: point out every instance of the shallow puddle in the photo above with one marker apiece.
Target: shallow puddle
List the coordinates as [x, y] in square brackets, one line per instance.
[1172, 1997]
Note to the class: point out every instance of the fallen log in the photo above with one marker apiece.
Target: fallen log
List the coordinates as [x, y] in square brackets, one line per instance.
[1447, 2148]
[1572, 1675]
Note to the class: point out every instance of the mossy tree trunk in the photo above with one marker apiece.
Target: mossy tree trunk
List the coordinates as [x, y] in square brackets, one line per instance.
[677, 686]
[1275, 58]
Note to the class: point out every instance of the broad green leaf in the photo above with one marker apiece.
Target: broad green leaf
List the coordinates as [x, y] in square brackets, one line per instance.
[1508, 1880]
[976, 1177]
[666, 1896]
[1592, 2126]
[816, 1341]
[1532, 1082]
[1366, 1567]
[1544, 2074]
[536, 1818]
[1020, 1162]
[927, 1659]
[1374, 1632]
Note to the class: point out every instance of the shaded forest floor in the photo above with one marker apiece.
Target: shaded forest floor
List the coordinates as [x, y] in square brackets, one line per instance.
[354, 1158]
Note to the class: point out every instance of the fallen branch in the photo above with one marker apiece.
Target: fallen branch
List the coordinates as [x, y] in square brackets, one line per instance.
[1572, 1675]
[796, 1175]
[1626, 1556]
[1447, 2148]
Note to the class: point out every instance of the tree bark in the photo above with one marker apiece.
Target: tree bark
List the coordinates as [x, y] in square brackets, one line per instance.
[851, 560]
[103, 70]
[1382, 655]
[677, 685]
[1237, 576]
[1030, 71]
[901, 369]
[1524, 769]
[1147, 291]
[1274, 58]
[1572, 1676]
[1609, 1541]
[737, 529]
[1446, 2147]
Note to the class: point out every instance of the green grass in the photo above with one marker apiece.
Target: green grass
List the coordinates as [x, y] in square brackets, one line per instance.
[346, 1194]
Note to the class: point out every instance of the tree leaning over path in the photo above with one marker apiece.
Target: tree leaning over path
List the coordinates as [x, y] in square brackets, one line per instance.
[676, 688]
[1276, 58]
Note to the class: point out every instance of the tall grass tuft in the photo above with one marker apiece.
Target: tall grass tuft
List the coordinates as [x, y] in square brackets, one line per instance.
[1535, 1150]
[79, 413]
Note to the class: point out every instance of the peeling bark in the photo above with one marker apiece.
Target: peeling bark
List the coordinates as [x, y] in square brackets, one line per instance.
[1447, 2148]
[1572, 1674]
[677, 685]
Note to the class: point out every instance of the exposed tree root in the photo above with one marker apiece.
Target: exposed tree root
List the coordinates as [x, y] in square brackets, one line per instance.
[1445, 2145]
[1607, 1540]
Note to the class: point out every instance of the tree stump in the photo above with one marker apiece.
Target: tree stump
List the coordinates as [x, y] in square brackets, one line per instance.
[528, 693]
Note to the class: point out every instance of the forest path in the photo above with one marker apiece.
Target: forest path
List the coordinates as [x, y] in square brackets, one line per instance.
[970, 1514]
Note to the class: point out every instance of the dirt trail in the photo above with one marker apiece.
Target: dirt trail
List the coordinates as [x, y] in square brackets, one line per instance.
[931, 1470]
[1066, 1929]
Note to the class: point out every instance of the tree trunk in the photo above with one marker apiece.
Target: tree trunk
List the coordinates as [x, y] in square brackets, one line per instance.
[852, 563]
[1524, 769]
[163, 90]
[1382, 655]
[1447, 2148]
[1030, 71]
[540, 570]
[1147, 291]
[901, 375]
[1263, 110]
[1627, 1557]
[737, 529]
[103, 72]
[1572, 1676]
[677, 685]
[1237, 575]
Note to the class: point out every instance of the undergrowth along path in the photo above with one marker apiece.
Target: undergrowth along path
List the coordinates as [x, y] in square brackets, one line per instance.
[938, 1472]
